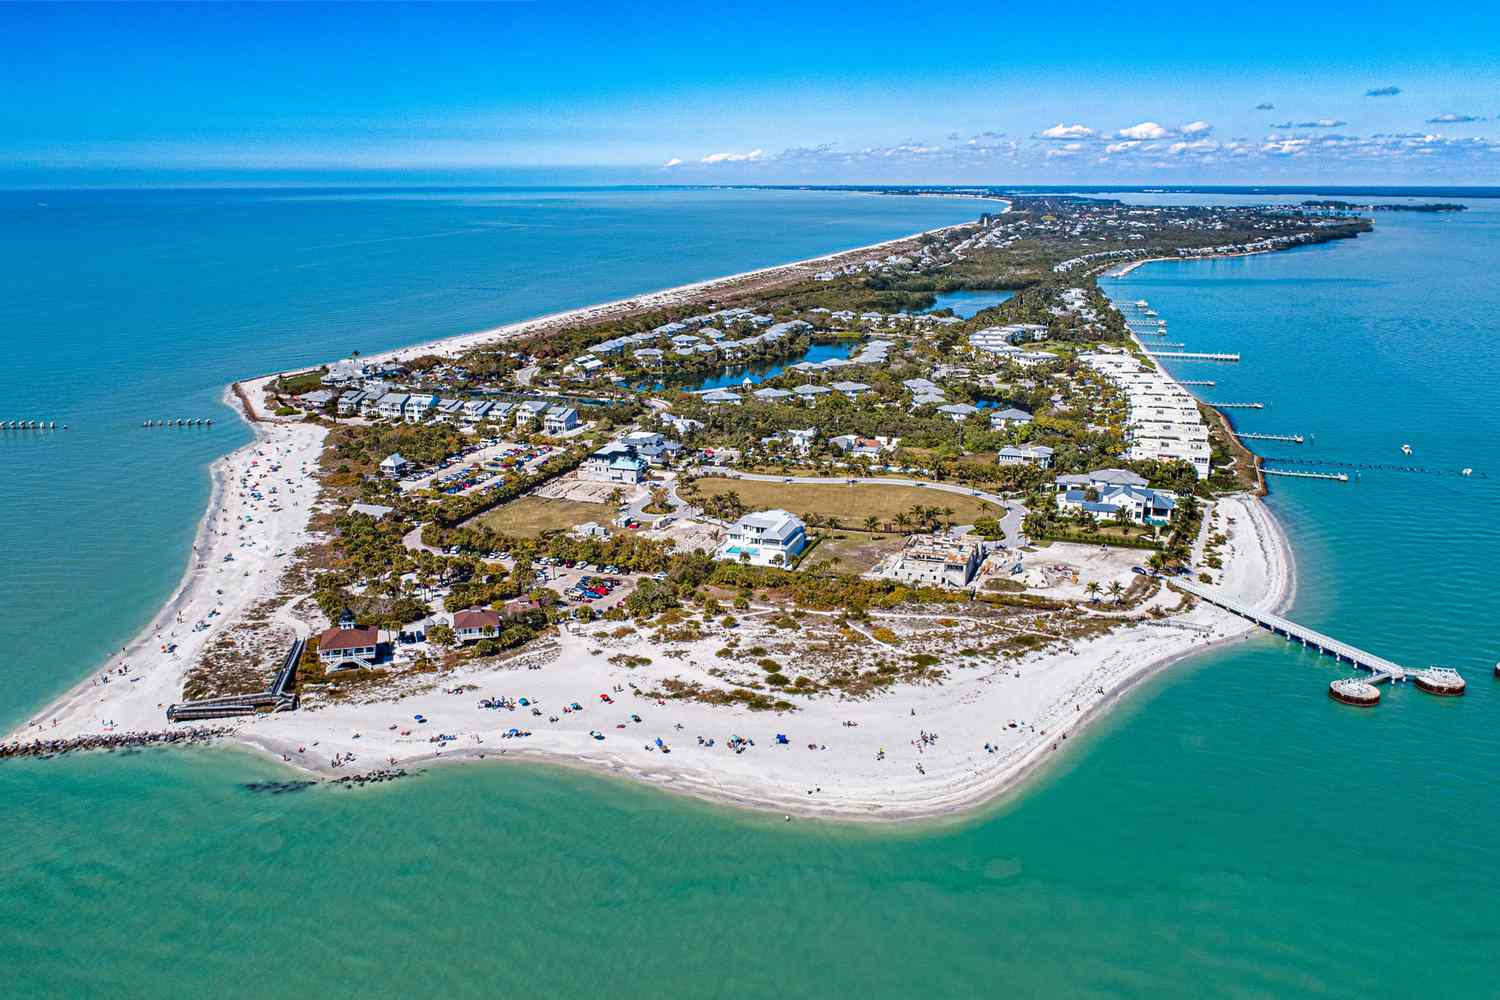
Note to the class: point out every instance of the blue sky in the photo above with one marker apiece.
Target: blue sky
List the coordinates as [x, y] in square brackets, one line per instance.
[536, 92]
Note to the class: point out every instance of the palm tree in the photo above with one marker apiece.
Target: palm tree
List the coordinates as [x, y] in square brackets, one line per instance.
[1092, 589]
[1116, 590]
[903, 520]
[871, 523]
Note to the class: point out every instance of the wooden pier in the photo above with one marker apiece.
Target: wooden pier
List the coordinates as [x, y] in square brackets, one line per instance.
[1379, 667]
[1193, 355]
[275, 699]
[1238, 406]
[1338, 477]
[1247, 436]
[1197, 381]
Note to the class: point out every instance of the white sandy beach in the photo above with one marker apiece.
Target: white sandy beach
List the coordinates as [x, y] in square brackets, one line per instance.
[252, 531]
[1050, 696]
[881, 768]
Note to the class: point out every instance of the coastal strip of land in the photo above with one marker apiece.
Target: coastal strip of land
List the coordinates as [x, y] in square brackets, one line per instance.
[913, 751]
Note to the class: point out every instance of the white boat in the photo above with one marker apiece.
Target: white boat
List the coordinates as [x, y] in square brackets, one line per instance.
[1406, 449]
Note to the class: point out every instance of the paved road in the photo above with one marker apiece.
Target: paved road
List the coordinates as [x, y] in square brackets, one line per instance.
[1010, 524]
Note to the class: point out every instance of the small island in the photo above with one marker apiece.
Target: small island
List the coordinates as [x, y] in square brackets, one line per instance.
[800, 539]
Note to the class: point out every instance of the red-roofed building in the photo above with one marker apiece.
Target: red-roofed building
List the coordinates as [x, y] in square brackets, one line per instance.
[472, 625]
[349, 647]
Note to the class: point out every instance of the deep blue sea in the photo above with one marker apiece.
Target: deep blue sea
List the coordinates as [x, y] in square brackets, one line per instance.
[1229, 833]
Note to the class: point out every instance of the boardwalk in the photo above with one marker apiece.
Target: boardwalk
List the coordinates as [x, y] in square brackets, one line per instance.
[1381, 668]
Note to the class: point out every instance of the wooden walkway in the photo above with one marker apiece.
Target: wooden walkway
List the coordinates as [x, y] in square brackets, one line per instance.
[1380, 668]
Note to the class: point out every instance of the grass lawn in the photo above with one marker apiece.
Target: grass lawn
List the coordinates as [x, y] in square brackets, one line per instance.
[528, 517]
[853, 551]
[850, 504]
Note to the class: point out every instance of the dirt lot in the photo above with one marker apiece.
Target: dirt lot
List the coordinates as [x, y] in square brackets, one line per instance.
[573, 487]
[851, 504]
[529, 516]
[853, 551]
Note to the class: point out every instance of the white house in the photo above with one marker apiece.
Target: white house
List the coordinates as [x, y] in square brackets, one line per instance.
[560, 419]
[1009, 417]
[1026, 454]
[393, 466]
[418, 406]
[474, 624]
[392, 405]
[1104, 493]
[764, 538]
[614, 463]
[530, 411]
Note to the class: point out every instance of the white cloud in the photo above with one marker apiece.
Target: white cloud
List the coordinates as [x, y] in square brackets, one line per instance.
[1061, 131]
[1196, 128]
[674, 161]
[1449, 118]
[1145, 130]
[754, 154]
[1121, 147]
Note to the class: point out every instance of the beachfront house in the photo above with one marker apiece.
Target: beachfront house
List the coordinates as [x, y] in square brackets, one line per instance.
[393, 466]
[347, 646]
[475, 624]
[764, 538]
[1105, 494]
[349, 402]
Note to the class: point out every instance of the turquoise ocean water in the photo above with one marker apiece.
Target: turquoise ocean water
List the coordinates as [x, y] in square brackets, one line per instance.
[1229, 832]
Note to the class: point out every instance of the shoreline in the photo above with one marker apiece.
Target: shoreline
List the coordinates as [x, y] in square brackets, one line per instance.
[983, 784]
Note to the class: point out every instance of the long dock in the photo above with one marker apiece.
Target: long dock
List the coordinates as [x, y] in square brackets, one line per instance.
[1248, 436]
[1197, 381]
[1194, 355]
[1339, 477]
[1380, 668]
[1238, 406]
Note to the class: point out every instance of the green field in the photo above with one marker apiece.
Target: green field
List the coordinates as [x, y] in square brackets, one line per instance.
[529, 517]
[850, 505]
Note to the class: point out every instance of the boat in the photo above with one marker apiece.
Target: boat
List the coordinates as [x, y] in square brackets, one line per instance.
[1406, 449]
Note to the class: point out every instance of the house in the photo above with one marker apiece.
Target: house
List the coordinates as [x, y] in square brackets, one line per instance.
[393, 466]
[810, 393]
[851, 389]
[590, 529]
[764, 538]
[958, 412]
[474, 624]
[392, 405]
[1027, 454]
[614, 463]
[1105, 493]
[1009, 417]
[530, 411]
[418, 406]
[476, 410]
[858, 447]
[721, 397]
[560, 419]
[682, 425]
[802, 439]
[654, 448]
[648, 355]
[317, 399]
[938, 560]
[348, 646]
[771, 395]
[349, 402]
[369, 406]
